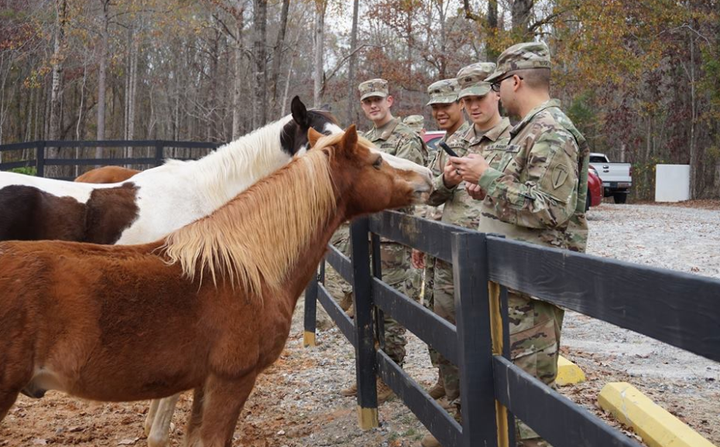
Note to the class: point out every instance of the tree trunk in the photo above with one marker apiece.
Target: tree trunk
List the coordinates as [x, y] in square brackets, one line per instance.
[237, 69]
[277, 55]
[319, 72]
[521, 11]
[56, 89]
[102, 67]
[351, 116]
[260, 98]
[491, 49]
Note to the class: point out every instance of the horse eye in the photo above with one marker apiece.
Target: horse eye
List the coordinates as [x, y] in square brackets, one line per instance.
[377, 163]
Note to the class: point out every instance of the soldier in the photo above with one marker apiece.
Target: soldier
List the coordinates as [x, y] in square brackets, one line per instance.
[390, 135]
[488, 131]
[416, 123]
[532, 191]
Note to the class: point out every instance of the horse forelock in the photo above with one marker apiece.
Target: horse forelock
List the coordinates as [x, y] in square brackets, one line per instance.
[254, 239]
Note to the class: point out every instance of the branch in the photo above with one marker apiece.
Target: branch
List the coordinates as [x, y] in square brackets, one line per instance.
[342, 61]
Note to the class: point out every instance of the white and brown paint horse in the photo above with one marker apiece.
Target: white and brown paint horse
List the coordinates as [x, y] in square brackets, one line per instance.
[79, 318]
[107, 174]
[157, 201]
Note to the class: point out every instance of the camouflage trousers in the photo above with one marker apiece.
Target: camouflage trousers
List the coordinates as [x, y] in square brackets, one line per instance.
[534, 326]
[396, 272]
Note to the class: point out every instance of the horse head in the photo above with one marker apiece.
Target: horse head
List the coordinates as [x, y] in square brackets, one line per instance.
[294, 137]
[368, 180]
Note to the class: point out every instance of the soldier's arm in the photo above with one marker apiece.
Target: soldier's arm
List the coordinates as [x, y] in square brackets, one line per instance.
[545, 199]
[411, 148]
[440, 193]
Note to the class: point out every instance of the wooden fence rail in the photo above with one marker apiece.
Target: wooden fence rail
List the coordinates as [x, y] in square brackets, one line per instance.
[40, 159]
[680, 309]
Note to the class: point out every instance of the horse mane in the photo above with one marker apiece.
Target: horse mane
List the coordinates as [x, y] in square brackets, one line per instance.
[259, 234]
[257, 150]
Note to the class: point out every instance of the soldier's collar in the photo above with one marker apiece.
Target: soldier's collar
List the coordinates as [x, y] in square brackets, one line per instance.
[385, 131]
[546, 105]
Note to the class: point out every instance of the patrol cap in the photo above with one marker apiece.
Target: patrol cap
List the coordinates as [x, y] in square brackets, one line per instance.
[472, 79]
[373, 87]
[415, 122]
[521, 56]
[443, 92]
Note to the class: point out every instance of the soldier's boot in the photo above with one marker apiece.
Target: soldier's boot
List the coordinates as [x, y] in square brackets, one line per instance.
[346, 301]
[350, 312]
[349, 391]
[438, 390]
[383, 391]
[429, 441]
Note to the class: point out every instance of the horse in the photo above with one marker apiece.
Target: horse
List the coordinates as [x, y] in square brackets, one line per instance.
[79, 317]
[154, 202]
[107, 174]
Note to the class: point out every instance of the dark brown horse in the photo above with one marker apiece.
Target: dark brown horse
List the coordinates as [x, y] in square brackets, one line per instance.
[107, 174]
[80, 317]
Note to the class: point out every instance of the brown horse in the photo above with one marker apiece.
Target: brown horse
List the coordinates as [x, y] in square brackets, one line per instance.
[80, 317]
[107, 174]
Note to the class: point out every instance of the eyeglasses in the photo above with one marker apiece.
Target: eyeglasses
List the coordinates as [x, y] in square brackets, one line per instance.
[495, 86]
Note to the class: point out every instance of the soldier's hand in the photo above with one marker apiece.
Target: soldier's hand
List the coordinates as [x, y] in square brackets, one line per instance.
[471, 167]
[451, 177]
[475, 191]
[417, 259]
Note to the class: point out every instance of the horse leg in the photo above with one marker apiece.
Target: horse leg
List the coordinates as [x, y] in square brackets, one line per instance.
[152, 411]
[7, 399]
[192, 436]
[223, 402]
[160, 431]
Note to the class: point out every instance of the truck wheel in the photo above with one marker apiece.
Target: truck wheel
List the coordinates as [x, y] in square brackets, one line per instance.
[588, 199]
[620, 197]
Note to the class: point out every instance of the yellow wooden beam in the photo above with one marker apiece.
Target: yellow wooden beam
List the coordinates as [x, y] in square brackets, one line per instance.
[308, 339]
[496, 328]
[368, 418]
[657, 427]
[568, 373]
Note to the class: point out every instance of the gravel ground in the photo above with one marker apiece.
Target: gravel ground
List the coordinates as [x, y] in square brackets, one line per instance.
[296, 402]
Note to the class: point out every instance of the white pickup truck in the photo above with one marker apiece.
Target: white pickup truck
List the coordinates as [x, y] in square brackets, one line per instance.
[616, 177]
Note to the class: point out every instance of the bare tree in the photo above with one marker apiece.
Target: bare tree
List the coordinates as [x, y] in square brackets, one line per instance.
[521, 12]
[319, 72]
[351, 115]
[260, 98]
[277, 55]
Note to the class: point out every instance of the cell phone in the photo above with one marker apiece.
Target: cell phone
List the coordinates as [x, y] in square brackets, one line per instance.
[447, 149]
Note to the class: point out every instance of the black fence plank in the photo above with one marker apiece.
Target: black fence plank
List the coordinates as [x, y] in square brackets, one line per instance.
[427, 410]
[472, 315]
[17, 146]
[428, 236]
[429, 327]
[343, 322]
[98, 161]
[554, 417]
[340, 263]
[676, 308]
[16, 164]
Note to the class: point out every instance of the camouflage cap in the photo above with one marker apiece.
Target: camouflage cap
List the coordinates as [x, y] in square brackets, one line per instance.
[373, 87]
[443, 92]
[415, 122]
[521, 56]
[472, 79]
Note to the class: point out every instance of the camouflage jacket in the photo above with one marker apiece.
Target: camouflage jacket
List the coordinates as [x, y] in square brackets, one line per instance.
[532, 184]
[460, 208]
[396, 138]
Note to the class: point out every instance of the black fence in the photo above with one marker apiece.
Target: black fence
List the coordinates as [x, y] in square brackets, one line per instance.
[39, 159]
[680, 309]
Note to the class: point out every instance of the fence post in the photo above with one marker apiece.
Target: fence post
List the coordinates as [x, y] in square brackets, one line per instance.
[472, 311]
[365, 346]
[40, 158]
[310, 321]
[159, 152]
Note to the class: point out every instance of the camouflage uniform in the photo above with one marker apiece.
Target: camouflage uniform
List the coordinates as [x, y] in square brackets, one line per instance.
[461, 209]
[533, 188]
[394, 138]
[416, 123]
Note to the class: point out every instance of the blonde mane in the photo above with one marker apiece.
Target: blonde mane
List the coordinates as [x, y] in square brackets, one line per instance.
[260, 234]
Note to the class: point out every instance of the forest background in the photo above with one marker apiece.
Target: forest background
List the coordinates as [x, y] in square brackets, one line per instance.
[640, 79]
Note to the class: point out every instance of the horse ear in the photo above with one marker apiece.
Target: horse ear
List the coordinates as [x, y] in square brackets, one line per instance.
[313, 136]
[299, 112]
[350, 139]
